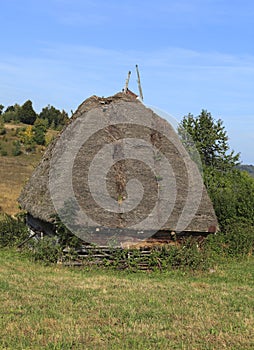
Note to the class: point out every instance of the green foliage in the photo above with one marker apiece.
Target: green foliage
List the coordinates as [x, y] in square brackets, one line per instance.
[239, 239]
[30, 148]
[231, 191]
[187, 254]
[11, 113]
[26, 136]
[65, 237]
[12, 231]
[4, 153]
[46, 250]
[210, 139]
[26, 113]
[50, 249]
[68, 213]
[232, 194]
[39, 131]
[2, 128]
[190, 253]
[236, 241]
[248, 168]
[54, 117]
[51, 116]
[16, 151]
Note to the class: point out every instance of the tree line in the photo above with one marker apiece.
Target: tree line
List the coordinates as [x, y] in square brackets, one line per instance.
[37, 123]
[52, 117]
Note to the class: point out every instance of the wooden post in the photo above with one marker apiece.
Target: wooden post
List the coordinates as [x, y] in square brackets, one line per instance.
[127, 82]
[139, 85]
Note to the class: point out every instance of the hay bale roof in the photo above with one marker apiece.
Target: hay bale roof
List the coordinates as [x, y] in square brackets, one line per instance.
[191, 203]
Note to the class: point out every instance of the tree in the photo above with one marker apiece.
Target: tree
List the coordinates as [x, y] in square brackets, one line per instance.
[2, 128]
[232, 194]
[11, 113]
[17, 148]
[10, 109]
[1, 109]
[39, 130]
[249, 168]
[210, 139]
[56, 119]
[26, 113]
[26, 137]
[231, 190]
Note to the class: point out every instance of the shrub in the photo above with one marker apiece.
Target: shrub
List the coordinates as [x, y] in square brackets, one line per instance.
[12, 231]
[185, 255]
[237, 240]
[4, 153]
[47, 250]
[2, 131]
[65, 237]
[2, 128]
[17, 148]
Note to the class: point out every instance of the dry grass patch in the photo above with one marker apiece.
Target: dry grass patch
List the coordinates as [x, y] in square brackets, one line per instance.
[14, 173]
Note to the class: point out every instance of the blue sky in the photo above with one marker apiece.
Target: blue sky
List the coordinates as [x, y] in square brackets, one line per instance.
[192, 55]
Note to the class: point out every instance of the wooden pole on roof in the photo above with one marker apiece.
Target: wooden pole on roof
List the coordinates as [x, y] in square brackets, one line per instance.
[139, 84]
[127, 82]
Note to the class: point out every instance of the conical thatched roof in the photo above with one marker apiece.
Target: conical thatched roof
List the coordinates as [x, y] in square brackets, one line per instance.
[91, 174]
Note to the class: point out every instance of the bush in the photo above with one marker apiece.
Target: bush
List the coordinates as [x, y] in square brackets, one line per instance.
[237, 240]
[2, 131]
[232, 194]
[17, 148]
[65, 237]
[2, 128]
[39, 131]
[47, 250]
[185, 255]
[12, 231]
[4, 153]
[30, 148]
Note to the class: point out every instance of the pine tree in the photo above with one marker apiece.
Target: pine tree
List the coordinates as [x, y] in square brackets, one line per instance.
[26, 113]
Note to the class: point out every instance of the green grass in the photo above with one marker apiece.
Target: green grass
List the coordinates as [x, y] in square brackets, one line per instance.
[51, 307]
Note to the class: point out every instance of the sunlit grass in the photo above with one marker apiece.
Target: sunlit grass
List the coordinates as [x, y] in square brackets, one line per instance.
[14, 173]
[60, 308]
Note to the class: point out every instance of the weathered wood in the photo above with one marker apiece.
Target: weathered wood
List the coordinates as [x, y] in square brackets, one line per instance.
[27, 239]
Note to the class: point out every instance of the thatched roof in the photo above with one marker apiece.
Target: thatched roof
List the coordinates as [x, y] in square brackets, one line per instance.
[127, 126]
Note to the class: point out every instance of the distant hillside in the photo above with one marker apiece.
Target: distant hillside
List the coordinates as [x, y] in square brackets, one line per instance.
[248, 168]
[16, 169]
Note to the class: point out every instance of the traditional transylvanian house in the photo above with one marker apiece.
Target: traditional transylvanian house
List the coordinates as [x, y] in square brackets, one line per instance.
[172, 200]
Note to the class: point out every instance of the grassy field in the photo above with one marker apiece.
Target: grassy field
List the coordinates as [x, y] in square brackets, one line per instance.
[61, 308]
[15, 171]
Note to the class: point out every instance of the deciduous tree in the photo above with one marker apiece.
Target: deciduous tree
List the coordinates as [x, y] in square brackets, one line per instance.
[231, 190]
[210, 139]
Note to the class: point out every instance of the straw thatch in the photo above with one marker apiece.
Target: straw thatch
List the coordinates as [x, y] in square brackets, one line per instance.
[36, 197]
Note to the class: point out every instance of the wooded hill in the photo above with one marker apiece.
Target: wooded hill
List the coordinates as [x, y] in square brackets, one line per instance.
[247, 167]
